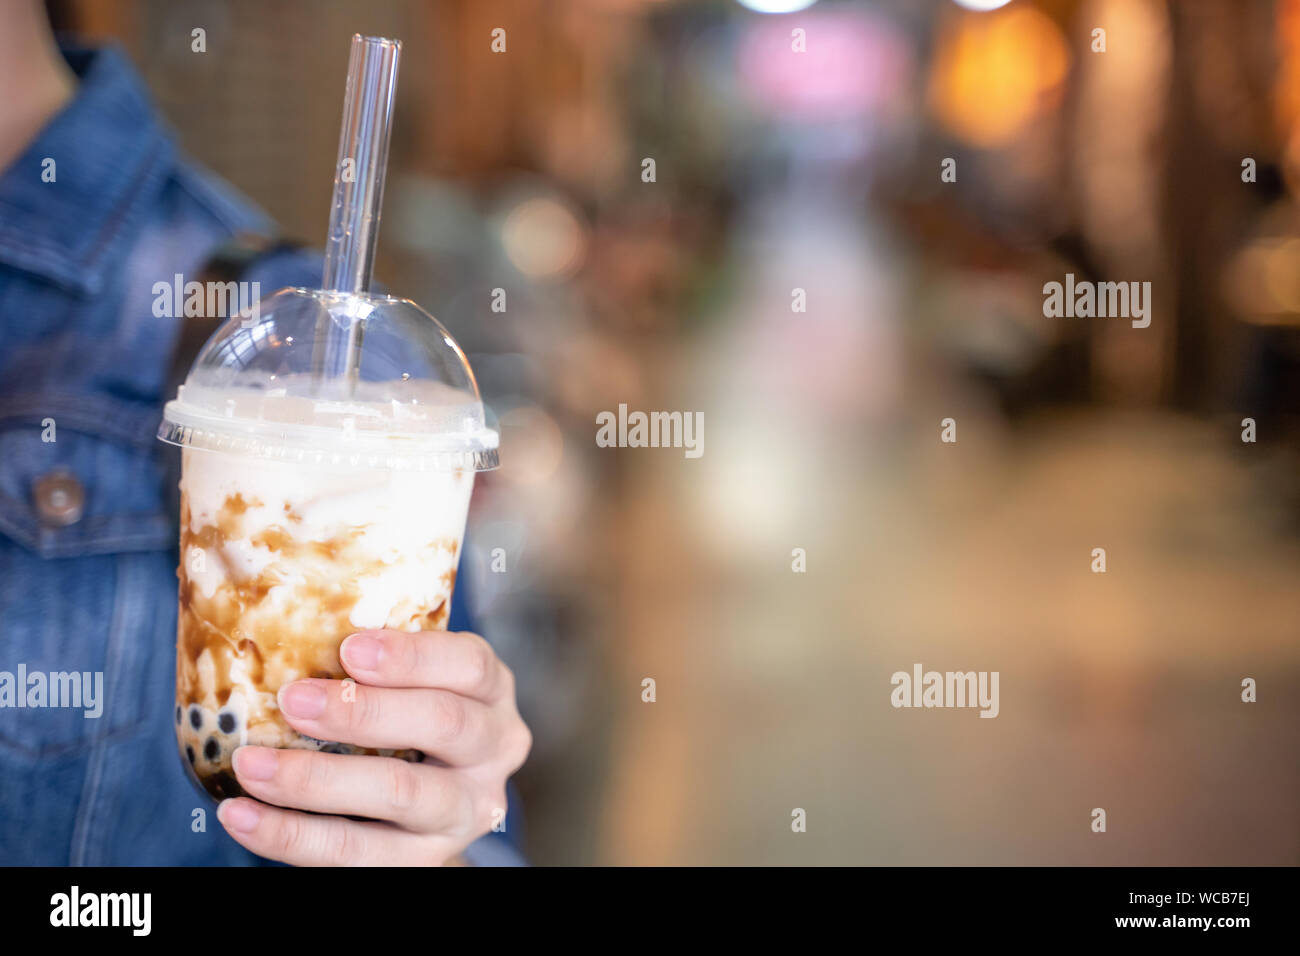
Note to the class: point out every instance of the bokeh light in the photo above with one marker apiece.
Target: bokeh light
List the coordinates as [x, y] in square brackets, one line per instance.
[776, 6]
[994, 74]
[544, 238]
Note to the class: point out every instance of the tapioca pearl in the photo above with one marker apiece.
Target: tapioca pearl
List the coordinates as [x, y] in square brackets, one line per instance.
[227, 722]
[189, 752]
[178, 714]
[196, 716]
[212, 750]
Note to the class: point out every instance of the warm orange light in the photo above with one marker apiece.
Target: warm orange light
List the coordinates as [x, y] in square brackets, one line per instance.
[1286, 88]
[1263, 281]
[995, 72]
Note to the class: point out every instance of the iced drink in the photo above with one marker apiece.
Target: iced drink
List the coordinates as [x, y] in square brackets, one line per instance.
[312, 509]
[329, 443]
[280, 562]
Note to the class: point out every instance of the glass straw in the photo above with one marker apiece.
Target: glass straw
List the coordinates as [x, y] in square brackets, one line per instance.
[358, 195]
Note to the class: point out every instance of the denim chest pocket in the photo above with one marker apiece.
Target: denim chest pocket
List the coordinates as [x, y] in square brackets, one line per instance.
[87, 585]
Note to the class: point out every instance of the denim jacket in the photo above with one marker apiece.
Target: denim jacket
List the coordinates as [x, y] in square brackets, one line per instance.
[98, 209]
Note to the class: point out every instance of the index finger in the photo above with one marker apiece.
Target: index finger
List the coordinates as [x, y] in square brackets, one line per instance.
[448, 660]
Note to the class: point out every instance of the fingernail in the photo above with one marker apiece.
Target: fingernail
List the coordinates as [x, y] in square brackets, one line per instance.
[302, 699]
[362, 650]
[255, 763]
[241, 815]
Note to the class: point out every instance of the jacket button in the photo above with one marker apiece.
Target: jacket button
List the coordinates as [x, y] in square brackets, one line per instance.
[60, 499]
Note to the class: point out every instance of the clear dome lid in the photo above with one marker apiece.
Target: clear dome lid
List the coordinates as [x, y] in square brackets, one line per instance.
[338, 376]
[345, 379]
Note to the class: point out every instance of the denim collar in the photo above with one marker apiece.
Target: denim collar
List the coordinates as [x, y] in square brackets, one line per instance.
[112, 156]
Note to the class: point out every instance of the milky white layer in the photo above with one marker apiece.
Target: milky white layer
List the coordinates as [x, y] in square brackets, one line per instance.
[395, 515]
[397, 412]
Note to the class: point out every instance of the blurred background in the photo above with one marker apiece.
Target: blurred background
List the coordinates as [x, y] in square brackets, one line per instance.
[819, 169]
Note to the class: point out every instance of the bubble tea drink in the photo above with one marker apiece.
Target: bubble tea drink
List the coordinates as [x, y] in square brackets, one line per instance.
[329, 446]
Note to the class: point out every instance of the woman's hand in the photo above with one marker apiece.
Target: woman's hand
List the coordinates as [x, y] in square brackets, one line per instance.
[444, 693]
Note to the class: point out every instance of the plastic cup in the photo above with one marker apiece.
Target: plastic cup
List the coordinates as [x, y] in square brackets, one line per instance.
[329, 449]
